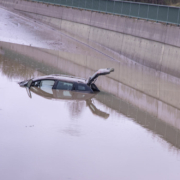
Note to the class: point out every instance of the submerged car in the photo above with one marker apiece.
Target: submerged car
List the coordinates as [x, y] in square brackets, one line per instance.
[64, 82]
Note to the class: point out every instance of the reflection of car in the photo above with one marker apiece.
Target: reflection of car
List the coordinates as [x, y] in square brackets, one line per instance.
[54, 94]
[64, 82]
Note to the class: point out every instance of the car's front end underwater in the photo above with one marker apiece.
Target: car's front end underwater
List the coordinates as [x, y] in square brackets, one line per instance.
[23, 83]
[64, 82]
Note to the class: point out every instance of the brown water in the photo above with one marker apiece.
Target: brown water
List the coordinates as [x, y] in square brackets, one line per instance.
[65, 135]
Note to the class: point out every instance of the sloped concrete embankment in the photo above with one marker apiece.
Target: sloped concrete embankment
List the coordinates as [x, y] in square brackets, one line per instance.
[146, 55]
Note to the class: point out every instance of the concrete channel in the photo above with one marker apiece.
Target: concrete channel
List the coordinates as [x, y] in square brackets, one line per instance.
[143, 89]
[145, 54]
[23, 62]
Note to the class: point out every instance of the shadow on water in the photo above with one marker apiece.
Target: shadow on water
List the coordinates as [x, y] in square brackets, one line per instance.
[16, 65]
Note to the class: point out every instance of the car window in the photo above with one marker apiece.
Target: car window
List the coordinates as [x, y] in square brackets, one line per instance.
[36, 83]
[82, 87]
[64, 85]
[47, 83]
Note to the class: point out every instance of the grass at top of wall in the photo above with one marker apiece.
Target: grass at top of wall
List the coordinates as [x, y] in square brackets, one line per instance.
[177, 4]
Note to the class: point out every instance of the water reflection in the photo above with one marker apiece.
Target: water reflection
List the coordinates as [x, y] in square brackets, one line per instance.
[14, 68]
[76, 100]
[131, 134]
[159, 129]
[17, 66]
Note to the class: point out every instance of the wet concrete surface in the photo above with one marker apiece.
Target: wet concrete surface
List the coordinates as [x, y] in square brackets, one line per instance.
[52, 136]
[66, 135]
[15, 28]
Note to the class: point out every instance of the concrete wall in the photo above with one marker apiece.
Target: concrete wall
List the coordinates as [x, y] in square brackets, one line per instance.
[146, 55]
[8, 3]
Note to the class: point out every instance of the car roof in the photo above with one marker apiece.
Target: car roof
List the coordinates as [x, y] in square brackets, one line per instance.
[61, 77]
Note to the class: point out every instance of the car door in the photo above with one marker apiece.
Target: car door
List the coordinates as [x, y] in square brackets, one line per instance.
[64, 85]
[45, 85]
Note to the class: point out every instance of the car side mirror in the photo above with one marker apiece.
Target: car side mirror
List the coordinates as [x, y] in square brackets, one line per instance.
[29, 83]
[28, 92]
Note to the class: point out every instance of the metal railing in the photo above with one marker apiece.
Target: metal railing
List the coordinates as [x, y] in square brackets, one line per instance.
[158, 13]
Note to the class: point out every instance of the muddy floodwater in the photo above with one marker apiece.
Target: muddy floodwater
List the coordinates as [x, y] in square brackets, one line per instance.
[61, 135]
